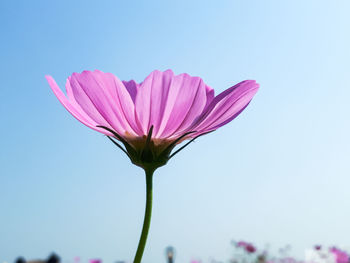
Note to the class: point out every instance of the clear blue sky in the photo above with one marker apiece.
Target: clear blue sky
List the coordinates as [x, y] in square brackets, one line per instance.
[278, 174]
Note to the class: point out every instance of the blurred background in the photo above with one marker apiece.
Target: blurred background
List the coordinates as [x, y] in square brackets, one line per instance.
[279, 174]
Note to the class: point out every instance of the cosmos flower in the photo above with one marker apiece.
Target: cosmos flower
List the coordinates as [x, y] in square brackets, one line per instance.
[340, 256]
[241, 244]
[152, 117]
[248, 247]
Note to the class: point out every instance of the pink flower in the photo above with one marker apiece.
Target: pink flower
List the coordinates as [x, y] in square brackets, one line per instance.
[317, 247]
[248, 247]
[340, 256]
[241, 244]
[150, 118]
[95, 261]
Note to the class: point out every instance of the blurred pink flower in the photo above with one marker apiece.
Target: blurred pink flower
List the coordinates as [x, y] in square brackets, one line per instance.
[241, 244]
[340, 256]
[248, 247]
[151, 117]
[95, 261]
[317, 247]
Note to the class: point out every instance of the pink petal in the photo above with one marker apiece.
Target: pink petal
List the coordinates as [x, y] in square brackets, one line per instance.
[210, 95]
[79, 115]
[103, 97]
[197, 95]
[226, 106]
[132, 87]
[151, 100]
[170, 103]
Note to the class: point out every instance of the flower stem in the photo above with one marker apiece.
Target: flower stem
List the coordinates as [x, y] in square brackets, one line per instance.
[147, 219]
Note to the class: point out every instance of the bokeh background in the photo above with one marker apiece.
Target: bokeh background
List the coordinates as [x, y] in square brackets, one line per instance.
[278, 174]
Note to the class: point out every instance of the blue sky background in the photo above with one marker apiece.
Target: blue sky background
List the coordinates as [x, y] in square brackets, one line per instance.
[278, 174]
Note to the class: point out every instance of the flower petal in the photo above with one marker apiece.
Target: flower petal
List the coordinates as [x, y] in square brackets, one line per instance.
[170, 103]
[80, 116]
[210, 95]
[103, 97]
[226, 106]
[132, 87]
[151, 100]
[196, 95]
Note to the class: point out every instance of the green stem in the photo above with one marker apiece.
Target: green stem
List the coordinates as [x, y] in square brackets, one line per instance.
[147, 219]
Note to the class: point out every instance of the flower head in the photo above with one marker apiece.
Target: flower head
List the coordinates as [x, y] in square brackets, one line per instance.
[340, 256]
[248, 247]
[241, 244]
[150, 118]
[317, 247]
